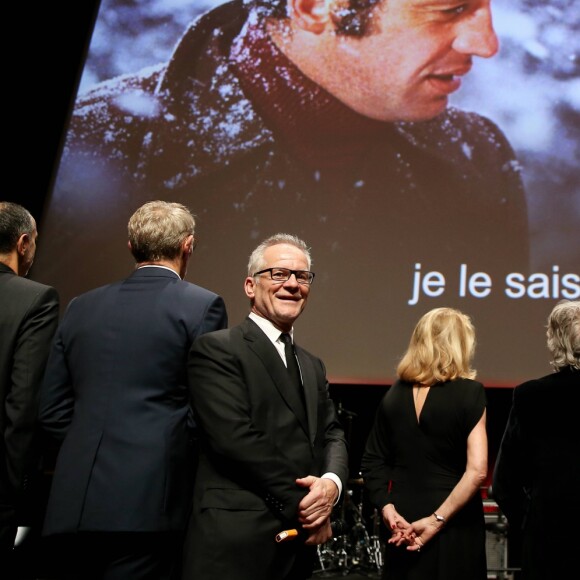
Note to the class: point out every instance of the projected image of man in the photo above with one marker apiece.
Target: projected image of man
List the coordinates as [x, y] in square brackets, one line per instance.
[331, 115]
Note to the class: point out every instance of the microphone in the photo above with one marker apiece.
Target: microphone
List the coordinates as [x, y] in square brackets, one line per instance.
[338, 528]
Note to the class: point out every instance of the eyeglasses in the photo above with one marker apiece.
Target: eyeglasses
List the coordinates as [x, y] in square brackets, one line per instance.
[280, 275]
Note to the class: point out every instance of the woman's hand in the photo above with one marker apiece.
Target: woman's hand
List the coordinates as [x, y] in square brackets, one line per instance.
[424, 529]
[401, 529]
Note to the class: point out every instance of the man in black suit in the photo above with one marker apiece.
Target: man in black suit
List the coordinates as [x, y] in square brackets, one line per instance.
[28, 320]
[115, 392]
[273, 455]
[536, 477]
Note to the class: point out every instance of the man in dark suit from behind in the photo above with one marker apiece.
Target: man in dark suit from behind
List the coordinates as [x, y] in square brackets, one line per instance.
[28, 320]
[273, 455]
[536, 477]
[115, 392]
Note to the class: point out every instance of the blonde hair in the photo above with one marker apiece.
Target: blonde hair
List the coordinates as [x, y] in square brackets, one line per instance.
[157, 229]
[564, 334]
[441, 348]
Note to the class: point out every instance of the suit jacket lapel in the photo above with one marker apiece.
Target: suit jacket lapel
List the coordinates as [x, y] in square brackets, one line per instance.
[267, 353]
[310, 391]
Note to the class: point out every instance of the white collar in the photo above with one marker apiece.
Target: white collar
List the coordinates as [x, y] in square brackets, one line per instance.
[268, 328]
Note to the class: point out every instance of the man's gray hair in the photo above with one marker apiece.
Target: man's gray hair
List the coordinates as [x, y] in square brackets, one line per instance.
[157, 230]
[256, 261]
[564, 334]
[15, 220]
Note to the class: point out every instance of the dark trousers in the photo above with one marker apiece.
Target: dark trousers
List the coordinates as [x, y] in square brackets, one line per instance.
[113, 556]
[7, 535]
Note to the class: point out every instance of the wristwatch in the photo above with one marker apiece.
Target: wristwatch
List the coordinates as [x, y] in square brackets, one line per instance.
[440, 518]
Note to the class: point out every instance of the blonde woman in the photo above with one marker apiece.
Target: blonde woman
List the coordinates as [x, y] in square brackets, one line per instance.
[426, 456]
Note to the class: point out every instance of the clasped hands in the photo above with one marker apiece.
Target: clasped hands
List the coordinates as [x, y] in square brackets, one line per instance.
[412, 535]
[315, 508]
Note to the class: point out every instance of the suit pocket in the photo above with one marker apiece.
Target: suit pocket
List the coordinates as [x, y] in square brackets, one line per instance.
[232, 499]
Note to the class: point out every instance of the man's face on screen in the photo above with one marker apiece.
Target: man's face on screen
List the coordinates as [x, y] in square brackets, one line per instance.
[411, 59]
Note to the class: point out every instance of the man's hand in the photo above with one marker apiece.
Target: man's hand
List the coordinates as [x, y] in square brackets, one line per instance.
[319, 535]
[315, 508]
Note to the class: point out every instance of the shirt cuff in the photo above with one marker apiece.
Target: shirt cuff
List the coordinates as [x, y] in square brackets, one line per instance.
[336, 479]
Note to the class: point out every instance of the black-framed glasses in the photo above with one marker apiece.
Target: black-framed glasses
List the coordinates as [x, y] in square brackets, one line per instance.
[280, 275]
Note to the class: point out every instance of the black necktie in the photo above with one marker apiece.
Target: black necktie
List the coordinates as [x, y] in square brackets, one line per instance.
[291, 362]
[294, 374]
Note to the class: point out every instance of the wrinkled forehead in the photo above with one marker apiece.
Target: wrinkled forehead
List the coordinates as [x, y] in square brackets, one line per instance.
[285, 255]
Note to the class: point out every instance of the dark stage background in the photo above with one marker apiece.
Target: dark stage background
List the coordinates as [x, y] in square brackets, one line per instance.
[40, 84]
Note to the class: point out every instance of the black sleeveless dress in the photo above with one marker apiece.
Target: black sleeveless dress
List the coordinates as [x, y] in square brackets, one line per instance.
[415, 464]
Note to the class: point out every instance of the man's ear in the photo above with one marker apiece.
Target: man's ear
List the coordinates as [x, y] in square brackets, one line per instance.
[311, 15]
[249, 284]
[22, 244]
[187, 245]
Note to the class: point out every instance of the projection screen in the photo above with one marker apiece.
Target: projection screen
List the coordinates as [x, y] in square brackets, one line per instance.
[474, 206]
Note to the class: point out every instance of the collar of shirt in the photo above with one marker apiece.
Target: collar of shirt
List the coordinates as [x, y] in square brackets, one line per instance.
[272, 333]
[159, 266]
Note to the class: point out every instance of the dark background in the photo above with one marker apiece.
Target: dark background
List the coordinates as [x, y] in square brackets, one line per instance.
[40, 83]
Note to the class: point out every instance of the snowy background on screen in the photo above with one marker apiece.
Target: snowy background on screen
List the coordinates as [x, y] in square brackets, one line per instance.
[531, 89]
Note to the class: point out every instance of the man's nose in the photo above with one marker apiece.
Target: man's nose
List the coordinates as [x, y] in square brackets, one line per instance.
[476, 36]
[292, 281]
